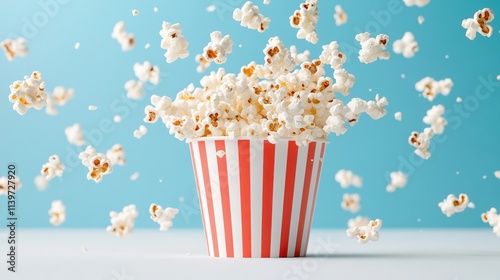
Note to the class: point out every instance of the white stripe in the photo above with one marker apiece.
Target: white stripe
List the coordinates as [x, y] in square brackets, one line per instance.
[256, 177]
[280, 162]
[234, 194]
[297, 197]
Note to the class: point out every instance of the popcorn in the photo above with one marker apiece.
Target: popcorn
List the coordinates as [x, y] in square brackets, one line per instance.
[458, 100]
[452, 204]
[203, 63]
[162, 107]
[343, 82]
[218, 48]
[493, 219]
[372, 48]
[147, 72]
[421, 142]
[155, 9]
[398, 116]
[117, 118]
[98, 164]
[497, 174]
[299, 58]
[147, 46]
[59, 97]
[135, 12]
[347, 178]
[431, 88]
[479, 24]
[92, 107]
[406, 45]
[138, 133]
[420, 19]
[126, 40]
[211, 8]
[122, 223]
[332, 56]
[134, 176]
[357, 222]
[398, 180]
[163, 216]
[340, 16]
[351, 202]
[116, 155]
[249, 17]
[278, 59]
[29, 93]
[135, 89]
[366, 233]
[57, 213]
[435, 119]
[54, 167]
[74, 134]
[173, 41]
[14, 183]
[419, 3]
[41, 183]
[305, 20]
[14, 48]
[77, 45]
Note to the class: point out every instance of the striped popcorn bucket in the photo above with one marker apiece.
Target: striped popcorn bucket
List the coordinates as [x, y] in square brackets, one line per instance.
[256, 198]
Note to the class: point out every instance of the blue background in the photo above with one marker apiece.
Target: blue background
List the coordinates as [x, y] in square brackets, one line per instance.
[99, 69]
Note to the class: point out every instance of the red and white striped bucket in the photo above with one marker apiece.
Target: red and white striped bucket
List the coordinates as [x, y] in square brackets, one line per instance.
[256, 198]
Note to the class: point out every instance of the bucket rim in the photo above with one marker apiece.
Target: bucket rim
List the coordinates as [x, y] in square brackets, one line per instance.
[258, 138]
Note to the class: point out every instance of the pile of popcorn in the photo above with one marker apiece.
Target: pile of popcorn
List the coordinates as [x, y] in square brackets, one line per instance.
[14, 48]
[493, 219]
[430, 88]
[305, 20]
[98, 164]
[273, 100]
[363, 230]
[421, 141]
[347, 178]
[452, 204]
[173, 41]
[57, 213]
[29, 93]
[479, 24]
[122, 223]
[126, 40]
[249, 17]
[162, 216]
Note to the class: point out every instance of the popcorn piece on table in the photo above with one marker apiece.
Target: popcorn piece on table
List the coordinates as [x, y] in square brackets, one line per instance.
[29, 93]
[305, 20]
[122, 223]
[218, 48]
[350, 202]
[430, 88]
[398, 180]
[174, 42]
[74, 134]
[4, 184]
[332, 56]
[57, 213]
[493, 219]
[146, 72]
[162, 216]
[41, 183]
[54, 167]
[340, 16]
[347, 178]
[126, 40]
[140, 132]
[203, 64]
[406, 45]
[435, 119]
[372, 48]
[299, 57]
[366, 233]
[135, 89]
[357, 222]
[421, 142]
[398, 116]
[249, 17]
[116, 155]
[452, 204]
[98, 164]
[418, 3]
[14, 48]
[479, 24]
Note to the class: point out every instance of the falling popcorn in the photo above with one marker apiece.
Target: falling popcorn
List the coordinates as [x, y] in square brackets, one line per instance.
[267, 2]
[117, 118]
[332, 56]
[116, 155]
[398, 180]
[420, 19]
[4, 185]
[350, 202]
[372, 48]
[305, 20]
[146, 72]
[14, 48]
[347, 178]
[41, 183]
[203, 63]
[74, 134]
[421, 142]
[340, 16]
[363, 234]
[163, 216]
[57, 213]
[126, 40]
[418, 3]
[140, 132]
[210, 8]
[497, 174]
[343, 82]
[406, 45]
[300, 57]
[173, 41]
[218, 48]
[59, 97]
[29, 93]
[135, 12]
[122, 223]
[430, 88]
[135, 89]
[54, 167]
[398, 116]
[493, 219]
[452, 204]
[134, 176]
[98, 164]
[357, 222]
[435, 119]
[479, 24]
[249, 17]
[92, 107]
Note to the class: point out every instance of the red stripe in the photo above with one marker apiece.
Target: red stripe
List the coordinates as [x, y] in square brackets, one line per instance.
[208, 192]
[318, 174]
[246, 211]
[267, 198]
[198, 189]
[305, 196]
[291, 170]
[224, 191]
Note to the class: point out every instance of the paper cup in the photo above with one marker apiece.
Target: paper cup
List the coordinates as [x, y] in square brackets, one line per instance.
[256, 198]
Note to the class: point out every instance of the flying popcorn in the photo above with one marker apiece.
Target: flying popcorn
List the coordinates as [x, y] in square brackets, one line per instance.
[249, 17]
[173, 41]
[363, 234]
[59, 97]
[218, 48]
[452, 204]
[267, 2]
[54, 167]
[98, 164]
[299, 57]
[372, 48]
[421, 142]
[15, 185]
[357, 222]
[162, 216]
[74, 134]
[203, 63]
[57, 213]
[343, 82]
[398, 180]
[29, 93]
[116, 155]
[126, 40]
[162, 106]
[431, 88]
[122, 223]
[418, 3]
[493, 219]
[146, 72]
[134, 176]
[41, 183]
[398, 116]
[278, 59]
[350, 202]
[435, 119]
[14, 48]
[347, 178]
[332, 56]
[135, 89]
[420, 19]
[138, 133]
[406, 45]
[305, 20]
[135, 12]
[479, 24]
[340, 16]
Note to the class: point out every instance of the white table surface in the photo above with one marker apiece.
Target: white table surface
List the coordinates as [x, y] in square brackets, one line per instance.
[180, 254]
